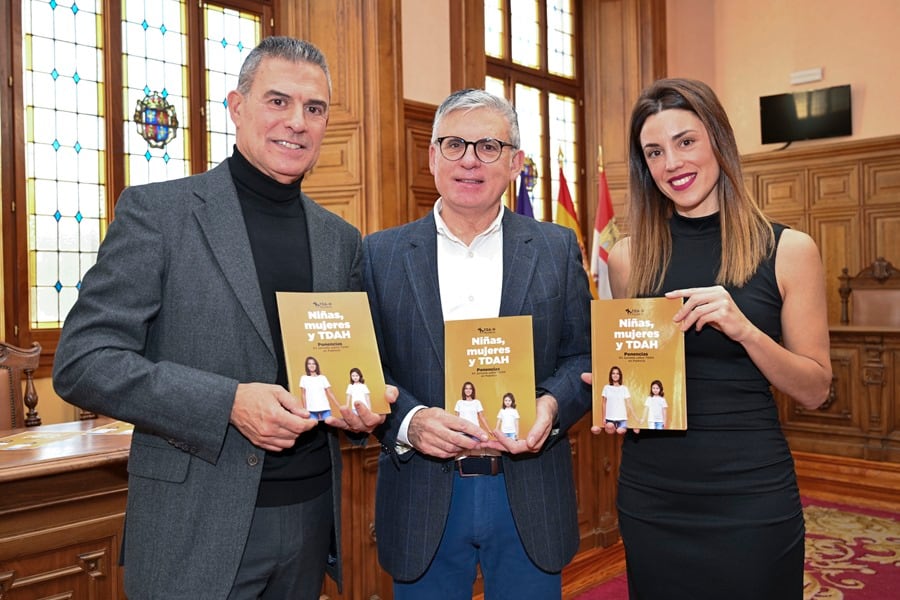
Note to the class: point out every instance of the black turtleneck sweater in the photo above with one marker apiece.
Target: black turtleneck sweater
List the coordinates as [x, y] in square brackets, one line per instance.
[276, 226]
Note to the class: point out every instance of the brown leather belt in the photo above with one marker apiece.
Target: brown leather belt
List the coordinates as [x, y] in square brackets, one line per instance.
[473, 466]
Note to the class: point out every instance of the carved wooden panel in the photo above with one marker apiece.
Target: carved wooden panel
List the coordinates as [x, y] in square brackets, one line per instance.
[881, 180]
[834, 186]
[782, 192]
[851, 205]
[750, 184]
[861, 417]
[838, 410]
[340, 160]
[335, 27]
[882, 233]
[794, 220]
[344, 202]
[73, 571]
[838, 239]
[421, 191]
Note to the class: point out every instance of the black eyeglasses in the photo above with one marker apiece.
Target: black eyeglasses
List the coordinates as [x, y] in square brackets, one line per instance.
[487, 150]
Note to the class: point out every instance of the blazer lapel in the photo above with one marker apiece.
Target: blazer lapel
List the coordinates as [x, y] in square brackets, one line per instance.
[222, 222]
[519, 263]
[421, 272]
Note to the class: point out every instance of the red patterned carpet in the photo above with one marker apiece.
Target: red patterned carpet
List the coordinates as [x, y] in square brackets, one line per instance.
[852, 553]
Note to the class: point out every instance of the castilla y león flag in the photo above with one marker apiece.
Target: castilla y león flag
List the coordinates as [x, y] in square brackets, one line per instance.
[605, 235]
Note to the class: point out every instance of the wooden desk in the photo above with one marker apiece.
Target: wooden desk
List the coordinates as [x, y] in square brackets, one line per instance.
[61, 511]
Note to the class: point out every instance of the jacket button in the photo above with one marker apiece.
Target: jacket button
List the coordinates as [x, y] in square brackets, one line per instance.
[252, 460]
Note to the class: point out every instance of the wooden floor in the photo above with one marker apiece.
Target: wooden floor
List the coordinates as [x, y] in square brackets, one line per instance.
[829, 478]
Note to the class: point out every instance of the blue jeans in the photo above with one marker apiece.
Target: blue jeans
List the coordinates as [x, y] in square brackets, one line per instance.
[480, 530]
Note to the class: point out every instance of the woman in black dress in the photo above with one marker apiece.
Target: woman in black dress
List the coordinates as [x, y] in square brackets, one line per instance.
[714, 511]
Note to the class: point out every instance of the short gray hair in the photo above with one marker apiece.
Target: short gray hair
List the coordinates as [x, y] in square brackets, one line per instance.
[471, 99]
[284, 47]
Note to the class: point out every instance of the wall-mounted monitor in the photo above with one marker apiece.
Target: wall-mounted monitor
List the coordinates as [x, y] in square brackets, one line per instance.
[808, 115]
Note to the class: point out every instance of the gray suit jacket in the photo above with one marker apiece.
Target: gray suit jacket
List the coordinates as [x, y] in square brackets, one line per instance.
[542, 277]
[167, 323]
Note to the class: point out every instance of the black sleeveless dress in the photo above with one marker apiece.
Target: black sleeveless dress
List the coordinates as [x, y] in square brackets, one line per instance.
[714, 512]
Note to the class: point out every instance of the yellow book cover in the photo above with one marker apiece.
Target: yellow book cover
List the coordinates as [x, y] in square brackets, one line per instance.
[638, 364]
[489, 375]
[330, 347]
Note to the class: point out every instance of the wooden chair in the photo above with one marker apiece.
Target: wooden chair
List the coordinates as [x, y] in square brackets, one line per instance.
[872, 296]
[16, 364]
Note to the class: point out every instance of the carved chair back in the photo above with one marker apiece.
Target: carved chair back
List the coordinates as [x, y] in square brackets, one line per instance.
[17, 365]
[872, 296]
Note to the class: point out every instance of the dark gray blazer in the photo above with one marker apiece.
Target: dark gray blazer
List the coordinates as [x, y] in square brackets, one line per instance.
[542, 277]
[167, 323]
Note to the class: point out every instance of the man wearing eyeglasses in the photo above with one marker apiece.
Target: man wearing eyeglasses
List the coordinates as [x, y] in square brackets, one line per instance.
[450, 497]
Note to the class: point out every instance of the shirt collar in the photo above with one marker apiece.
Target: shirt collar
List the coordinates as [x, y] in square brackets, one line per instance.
[443, 230]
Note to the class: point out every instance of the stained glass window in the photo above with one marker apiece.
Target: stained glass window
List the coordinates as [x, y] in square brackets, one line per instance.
[526, 33]
[154, 48]
[560, 38]
[230, 35]
[494, 28]
[63, 54]
[561, 118]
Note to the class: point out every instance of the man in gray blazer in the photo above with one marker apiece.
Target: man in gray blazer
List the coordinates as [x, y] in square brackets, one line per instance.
[448, 496]
[234, 490]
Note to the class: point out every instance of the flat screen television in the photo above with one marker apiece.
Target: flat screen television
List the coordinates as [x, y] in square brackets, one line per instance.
[808, 115]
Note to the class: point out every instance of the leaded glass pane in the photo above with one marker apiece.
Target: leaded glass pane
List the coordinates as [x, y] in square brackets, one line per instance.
[64, 133]
[494, 30]
[230, 36]
[562, 139]
[560, 38]
[495, 86]
[526, 33]
[155, 72]
[531, 118]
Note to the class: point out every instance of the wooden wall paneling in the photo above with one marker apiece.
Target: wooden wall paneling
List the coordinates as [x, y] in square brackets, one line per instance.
[881, 180]
[882, 234]
[346, 202]
[834, 186]
[782, 191]
[846, 195]
[361, 40]
[421, 192]
[892, 389]
[798, 221]
[340, 160]
[838, 238]
[860, 418]
[833, 428]
[837, 411]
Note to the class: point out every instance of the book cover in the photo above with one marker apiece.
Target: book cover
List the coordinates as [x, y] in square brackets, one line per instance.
[330, 351]
[489, 375]
[638, 363]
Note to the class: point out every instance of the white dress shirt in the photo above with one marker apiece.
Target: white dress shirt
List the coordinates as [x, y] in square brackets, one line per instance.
[470, 279]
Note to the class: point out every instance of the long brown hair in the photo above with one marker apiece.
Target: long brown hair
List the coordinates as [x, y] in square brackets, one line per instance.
[747, 236]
